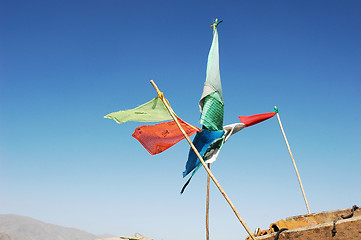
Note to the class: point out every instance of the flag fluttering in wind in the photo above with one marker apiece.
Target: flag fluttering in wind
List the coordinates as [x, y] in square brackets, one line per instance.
[210, 141]
[152, 111]
[254, 119]
[211, 103]
[158, 138]
[202, 141]
[154, 138]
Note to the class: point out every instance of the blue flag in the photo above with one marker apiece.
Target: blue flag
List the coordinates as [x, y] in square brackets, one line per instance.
[205, 142]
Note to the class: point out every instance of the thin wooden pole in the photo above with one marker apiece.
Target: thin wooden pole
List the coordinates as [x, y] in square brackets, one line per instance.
[207, 205]
[160, 94]
[294, 163]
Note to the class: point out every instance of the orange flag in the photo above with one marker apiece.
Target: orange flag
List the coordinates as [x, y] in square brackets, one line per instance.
[158, 138]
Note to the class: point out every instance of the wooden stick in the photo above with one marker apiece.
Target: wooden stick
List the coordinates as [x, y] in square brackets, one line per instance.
[207, 205]
[160, 94]
[294, 163]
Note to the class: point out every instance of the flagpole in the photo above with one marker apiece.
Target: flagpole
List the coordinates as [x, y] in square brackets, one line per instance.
[160, 94]
[293, 161]
[207, 205]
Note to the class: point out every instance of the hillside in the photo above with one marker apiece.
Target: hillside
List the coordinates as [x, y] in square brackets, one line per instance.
[14, 227]
[4, 236]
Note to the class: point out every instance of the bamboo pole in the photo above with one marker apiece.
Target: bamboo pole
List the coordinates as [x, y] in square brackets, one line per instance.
[160, 94]
[207, 205]
[294, 163]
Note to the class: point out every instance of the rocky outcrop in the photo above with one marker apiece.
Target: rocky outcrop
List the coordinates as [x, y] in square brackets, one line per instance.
[136, 236]
[332, 225]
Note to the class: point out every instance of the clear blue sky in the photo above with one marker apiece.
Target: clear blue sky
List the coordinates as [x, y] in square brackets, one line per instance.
[66, 64]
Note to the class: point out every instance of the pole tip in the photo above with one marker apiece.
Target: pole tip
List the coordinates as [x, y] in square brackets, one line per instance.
[215, 23]
[275, 109]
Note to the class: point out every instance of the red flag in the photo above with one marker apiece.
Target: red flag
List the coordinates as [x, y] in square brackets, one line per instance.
[254, 119]
[158, 138]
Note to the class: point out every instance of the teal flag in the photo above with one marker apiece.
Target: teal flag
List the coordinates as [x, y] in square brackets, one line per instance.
[210, 140]
[211, 102]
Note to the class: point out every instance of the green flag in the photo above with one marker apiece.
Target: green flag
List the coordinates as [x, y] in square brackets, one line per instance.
[211, 102]
[212, 113]
[152, 111]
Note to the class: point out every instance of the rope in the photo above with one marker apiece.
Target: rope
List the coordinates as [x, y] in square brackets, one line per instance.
[334, 231]
[353, 209]
[279, 232]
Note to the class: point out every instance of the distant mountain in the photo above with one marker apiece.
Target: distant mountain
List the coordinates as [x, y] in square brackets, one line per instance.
[14, 227]
[4, 236]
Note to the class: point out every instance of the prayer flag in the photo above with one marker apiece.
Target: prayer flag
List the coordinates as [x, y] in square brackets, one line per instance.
[211, 103]
[209, 144]
[254, 119]
[158, 138]
[201, 141]
[210, 140]
[212, 152]
[152, 111]
[212, 114]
